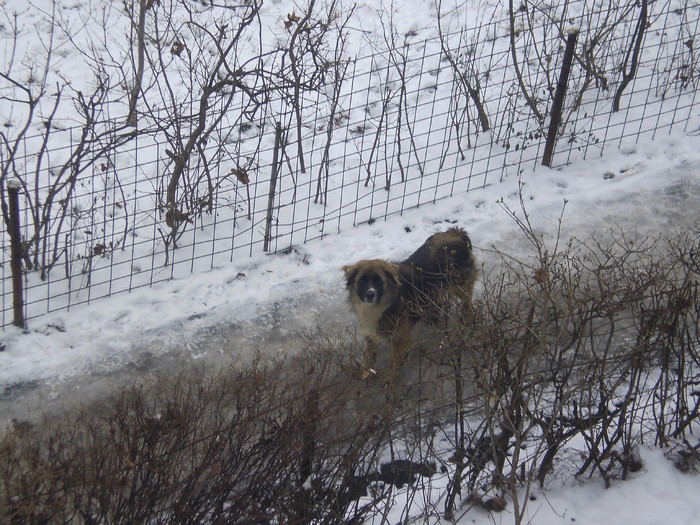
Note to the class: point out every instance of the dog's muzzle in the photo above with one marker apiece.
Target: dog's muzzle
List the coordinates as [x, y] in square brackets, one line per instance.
[370, 296]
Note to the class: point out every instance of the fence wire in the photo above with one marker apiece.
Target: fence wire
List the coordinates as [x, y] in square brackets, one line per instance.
[380, 135]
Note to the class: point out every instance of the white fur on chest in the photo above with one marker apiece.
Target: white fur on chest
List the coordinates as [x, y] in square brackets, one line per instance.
[368, 316]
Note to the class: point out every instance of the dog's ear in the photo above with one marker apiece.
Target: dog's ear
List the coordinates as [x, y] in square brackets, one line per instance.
[350, 274]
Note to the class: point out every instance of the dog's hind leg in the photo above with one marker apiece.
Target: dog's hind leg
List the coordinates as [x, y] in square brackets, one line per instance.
[466, 297]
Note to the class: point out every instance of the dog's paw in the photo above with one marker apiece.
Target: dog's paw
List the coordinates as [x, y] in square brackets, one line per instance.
[366, 373]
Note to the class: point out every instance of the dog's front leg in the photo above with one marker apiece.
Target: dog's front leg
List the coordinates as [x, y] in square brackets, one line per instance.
[400, 345]
[369, 361]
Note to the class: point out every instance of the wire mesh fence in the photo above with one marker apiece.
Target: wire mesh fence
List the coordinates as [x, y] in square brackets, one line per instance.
[108, 208]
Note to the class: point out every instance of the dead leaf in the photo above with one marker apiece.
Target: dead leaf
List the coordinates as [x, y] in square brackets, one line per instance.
[541, 275]
[241, 174]
[174, 218]
[177, 48]
[496, 504]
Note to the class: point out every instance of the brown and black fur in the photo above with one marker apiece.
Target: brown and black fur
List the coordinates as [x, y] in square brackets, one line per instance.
[390, 298]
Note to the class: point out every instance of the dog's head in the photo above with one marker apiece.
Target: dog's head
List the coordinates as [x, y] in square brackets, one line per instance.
[371, 281]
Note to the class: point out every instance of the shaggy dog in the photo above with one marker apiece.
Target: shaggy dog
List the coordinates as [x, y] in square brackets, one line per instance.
[390, 298]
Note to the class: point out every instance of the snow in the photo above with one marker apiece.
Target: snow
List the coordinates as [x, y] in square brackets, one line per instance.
[656, 495]
[260, 302]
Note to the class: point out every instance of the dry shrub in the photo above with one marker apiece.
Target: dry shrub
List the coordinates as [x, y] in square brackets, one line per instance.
[572, 358]
[577, 355]
[234, 446]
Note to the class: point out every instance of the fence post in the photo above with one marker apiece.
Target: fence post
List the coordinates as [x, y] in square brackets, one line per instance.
[559, 94]
[13, 187]
[273, 186]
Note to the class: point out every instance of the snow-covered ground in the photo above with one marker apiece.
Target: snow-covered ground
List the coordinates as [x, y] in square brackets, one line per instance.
[262, 302]
[657, 495]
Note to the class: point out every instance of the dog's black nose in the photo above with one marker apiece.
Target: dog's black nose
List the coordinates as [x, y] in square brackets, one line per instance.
[370, 296]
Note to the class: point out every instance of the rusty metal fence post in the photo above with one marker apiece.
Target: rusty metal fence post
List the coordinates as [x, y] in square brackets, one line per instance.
[273, 187]
[13, 187]
[559, 95]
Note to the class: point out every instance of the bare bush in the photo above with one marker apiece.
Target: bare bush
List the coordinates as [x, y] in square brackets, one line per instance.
[191, 76]
[239, 446]
[39, 100]
[573, 358]
[593, 343]
[207, 89]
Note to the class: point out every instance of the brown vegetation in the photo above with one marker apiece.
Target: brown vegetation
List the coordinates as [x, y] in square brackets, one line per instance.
[578, 354]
